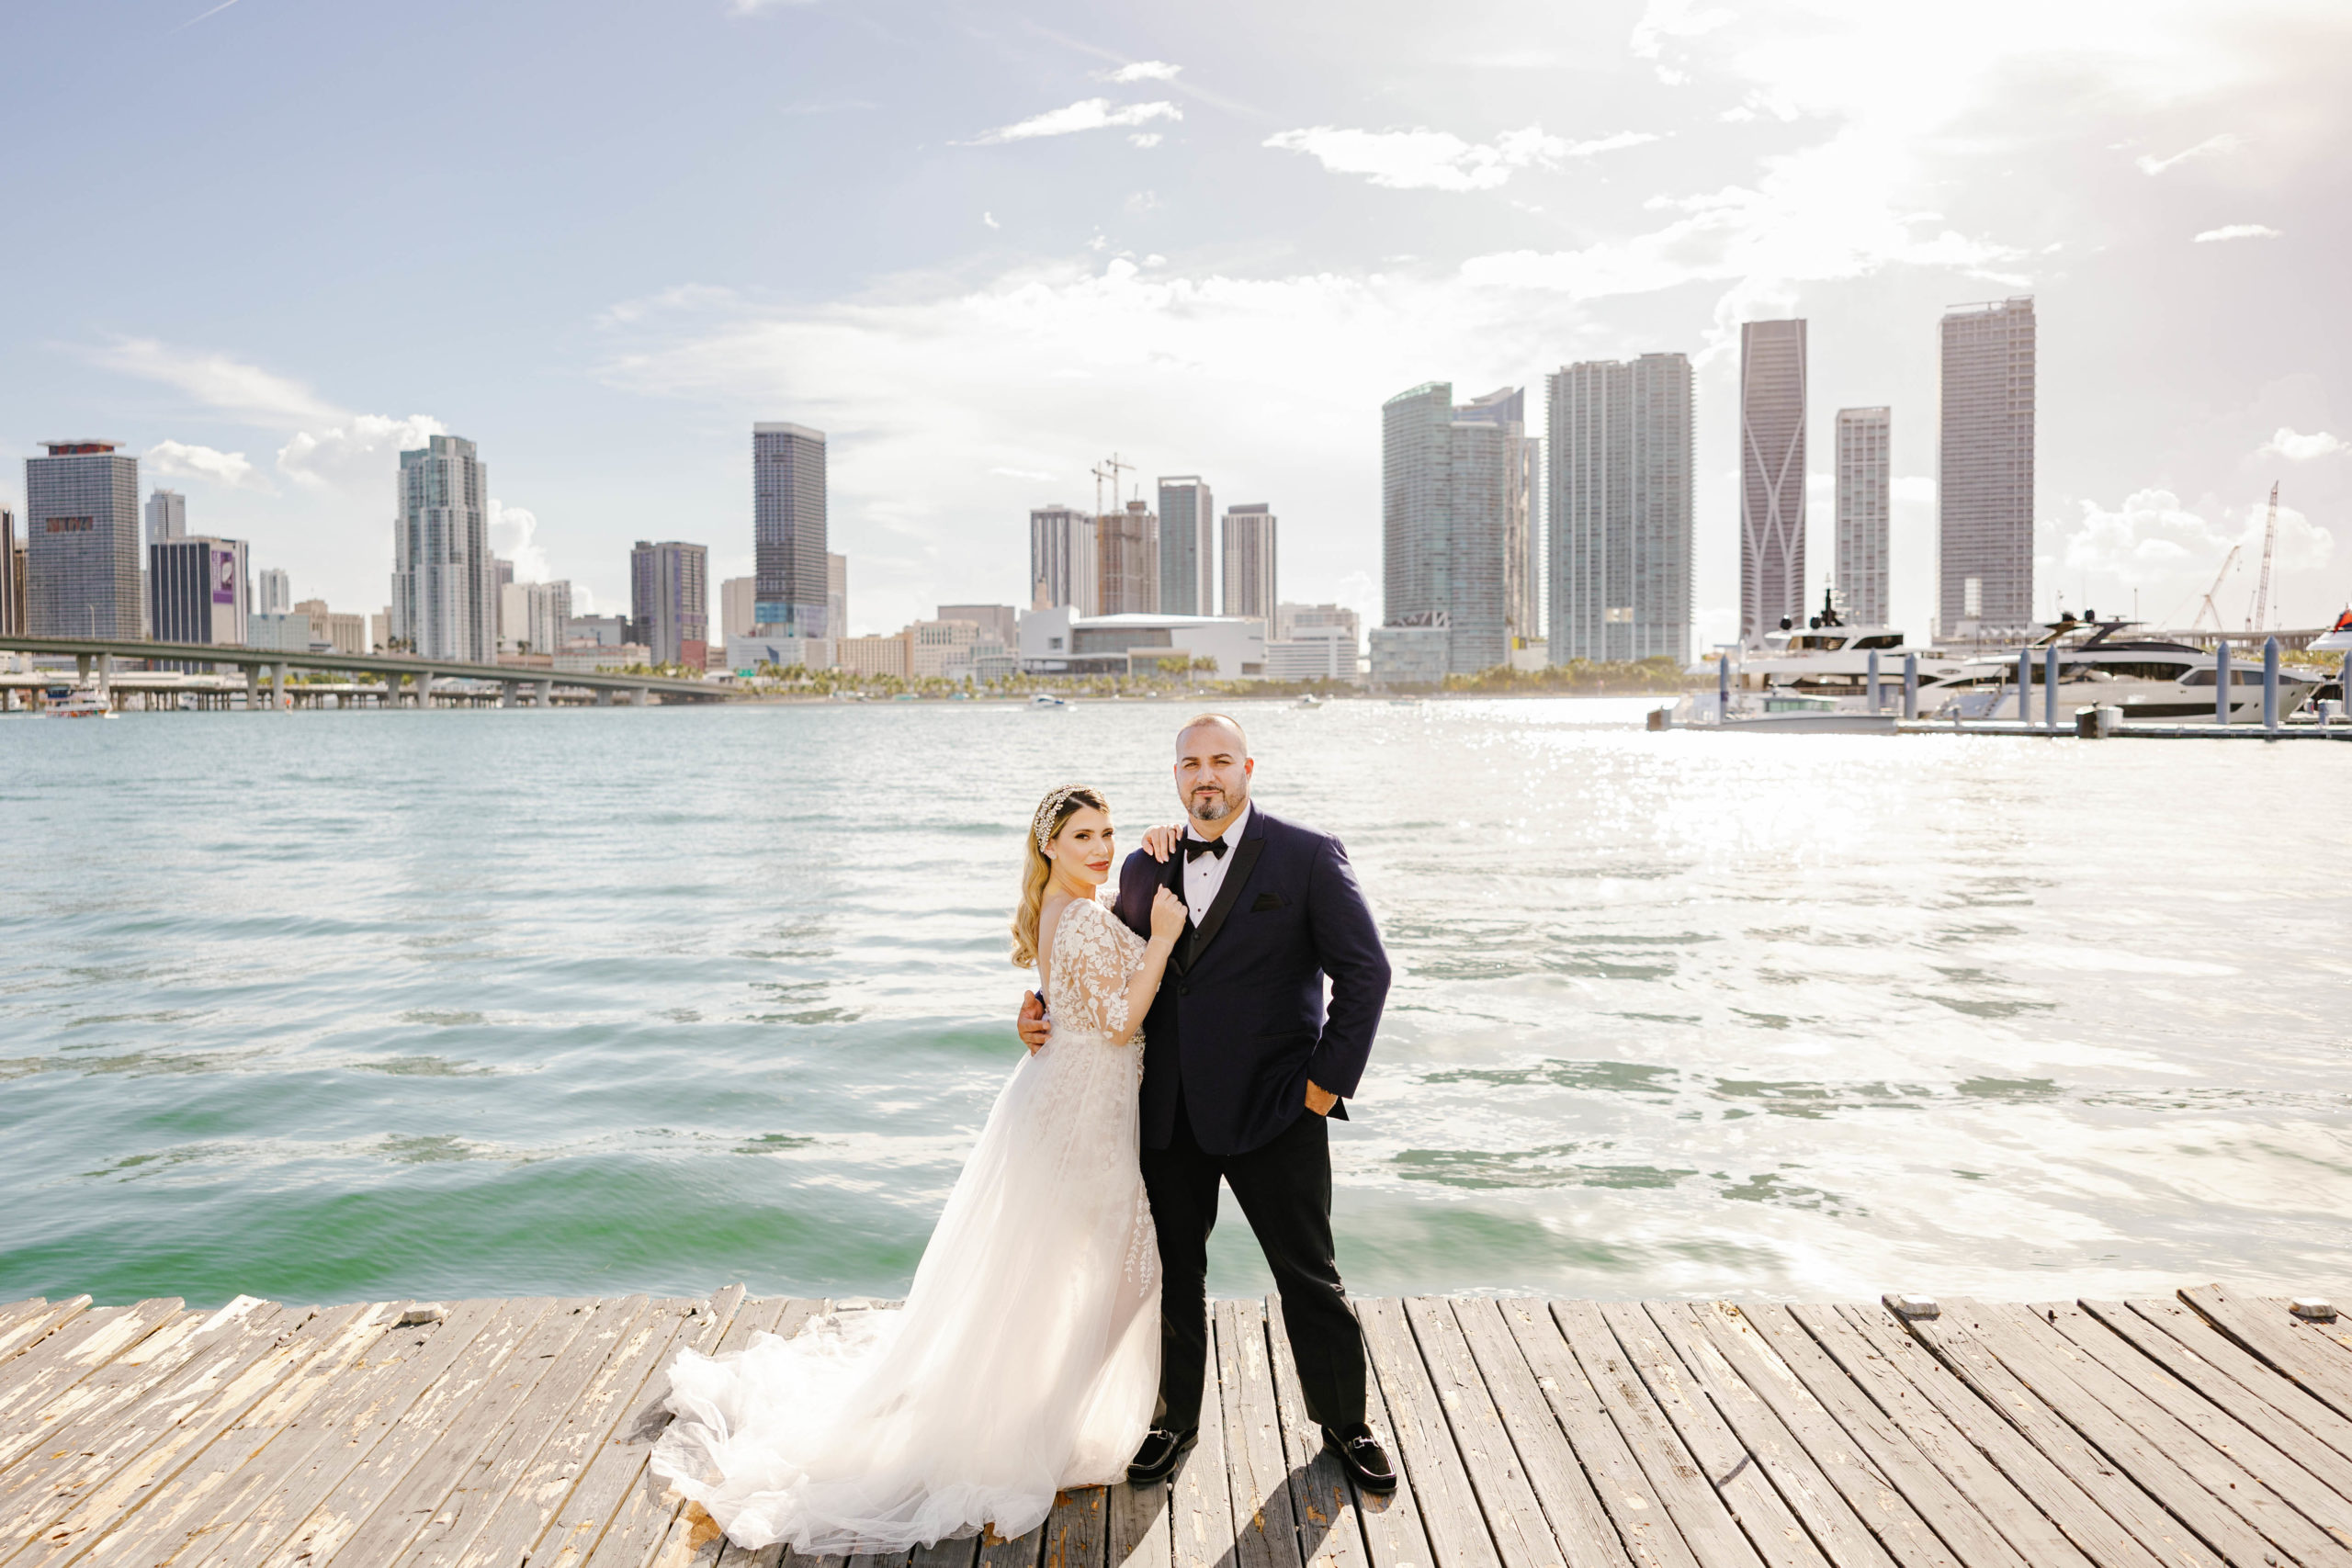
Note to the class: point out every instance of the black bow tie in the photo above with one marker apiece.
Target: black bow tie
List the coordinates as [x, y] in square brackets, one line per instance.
[1195, 848]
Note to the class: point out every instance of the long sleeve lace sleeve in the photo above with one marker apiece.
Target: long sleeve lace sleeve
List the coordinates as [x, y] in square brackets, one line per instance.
[1094, 959]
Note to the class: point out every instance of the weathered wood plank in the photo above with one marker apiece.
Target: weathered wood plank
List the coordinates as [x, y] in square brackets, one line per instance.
[96, 1399]
[2313, 1477]
[30, 1329]
[1257, 1471]
[2164, 1326]
[1872, 1400]
[2282, 1341]
[613, 1467]
[530, 1506]
[1200, 1503]
[1646, 1534]
[2032, 1446]
[469, 1434]
[45, 1483]
[654, 1525]
[1077, 1531]
[1706, 1519]
[1789, 1508]
[996, 1553]
[1579, 1520]
[1425, 1448]
[1507, 1499]
[2335, 1331]
[1862, 1453]
[2200, 1441]
[963, 1551]
[2027, 1387]
[393, 1448]
[77, 1350]
[1330, 1531]
[275, 1491]
[204, 1489]
[195, 1424]
[15, 1311]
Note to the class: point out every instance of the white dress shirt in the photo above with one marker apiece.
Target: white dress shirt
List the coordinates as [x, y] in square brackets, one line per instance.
[1204, 874]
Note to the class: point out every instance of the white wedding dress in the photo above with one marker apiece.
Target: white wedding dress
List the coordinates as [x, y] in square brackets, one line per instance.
[1026, 1358]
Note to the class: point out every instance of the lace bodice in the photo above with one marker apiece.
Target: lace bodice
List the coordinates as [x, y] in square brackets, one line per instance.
[1093, 958]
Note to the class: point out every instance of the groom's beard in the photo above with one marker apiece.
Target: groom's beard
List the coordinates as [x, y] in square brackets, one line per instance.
[1216, 808]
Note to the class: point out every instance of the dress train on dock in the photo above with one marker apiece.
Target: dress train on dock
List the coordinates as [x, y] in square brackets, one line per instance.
[1026, 1358]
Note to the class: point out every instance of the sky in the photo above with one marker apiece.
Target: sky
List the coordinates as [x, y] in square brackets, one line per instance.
[268, 244]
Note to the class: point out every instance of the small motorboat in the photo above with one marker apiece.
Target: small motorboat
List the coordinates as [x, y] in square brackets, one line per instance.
[1309, 700]
[74, 701]
[1046, 700]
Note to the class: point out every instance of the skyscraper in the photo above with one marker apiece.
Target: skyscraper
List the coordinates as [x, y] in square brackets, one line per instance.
[1250, 555]
[788, 530]
[1772, 475]
[1126, 548]
[1187, 546]
[1446, 489]
[1618, 528]
[12, 585]
[669, 598]
[82, 541]
[1061, 560]
[1522, 590]
[445, 585]
[1985, 478]
[837, 595]
[166, 516]
[1864, 489]
[273, 592]
[197, 586]
[735, 600]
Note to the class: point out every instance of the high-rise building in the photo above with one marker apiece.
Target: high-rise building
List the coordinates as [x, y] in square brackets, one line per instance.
[547, 616]
[197, 586]
[1447, 485]
[1062, 569]
[12, 578]
[1618, 499]
[166, 516]
[998, 623]
[1985, 478]
[273, 592]
[735, 601]
[1522, 577]
[1772, 475]
[1126, 550]
[837, 595]
[445, 586]
[1250, 556]
[669, 597]
[1187, 546]
[1292, 621]
[342, 633]
[788, 530]
[81, 542]
[1865, 490]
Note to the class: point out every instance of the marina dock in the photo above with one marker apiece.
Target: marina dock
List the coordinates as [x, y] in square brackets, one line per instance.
[2190, 1431]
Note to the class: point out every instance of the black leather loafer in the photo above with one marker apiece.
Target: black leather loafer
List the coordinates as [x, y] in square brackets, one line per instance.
[1361, 1457]
[1156, 1461]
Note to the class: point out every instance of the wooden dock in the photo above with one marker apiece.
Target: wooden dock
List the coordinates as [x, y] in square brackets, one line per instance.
[2192, 1432]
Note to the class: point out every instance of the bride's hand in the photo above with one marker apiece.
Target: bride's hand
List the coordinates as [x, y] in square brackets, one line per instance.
[1168, 913]
[1162, 841]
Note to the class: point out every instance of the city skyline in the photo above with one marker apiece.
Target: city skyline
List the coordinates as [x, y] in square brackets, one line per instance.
[999, 295]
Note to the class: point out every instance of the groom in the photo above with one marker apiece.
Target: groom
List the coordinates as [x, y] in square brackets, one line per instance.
[1241, 1069]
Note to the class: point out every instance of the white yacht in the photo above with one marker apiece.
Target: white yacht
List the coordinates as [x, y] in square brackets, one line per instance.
[2101, 665]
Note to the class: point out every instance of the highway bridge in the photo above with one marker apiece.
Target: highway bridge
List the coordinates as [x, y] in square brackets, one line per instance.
[394, 679]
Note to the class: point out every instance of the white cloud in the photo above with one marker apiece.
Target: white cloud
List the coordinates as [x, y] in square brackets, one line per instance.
[357, 451]
[1038, 474]
[2155, 544]
[1145, 138]
[1145, 71]
[1087, 114]
[227, 386]
[1421, 159]
[1662, 19]
[989, 218]
[512, 535]
[2300, 448]
[2226, 142]
[2238, 231]
[181, 459]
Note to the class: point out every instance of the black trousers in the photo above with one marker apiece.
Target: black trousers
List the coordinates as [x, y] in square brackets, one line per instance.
[1284, 1190]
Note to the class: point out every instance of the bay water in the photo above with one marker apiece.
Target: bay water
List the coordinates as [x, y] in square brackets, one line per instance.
[321, 1007]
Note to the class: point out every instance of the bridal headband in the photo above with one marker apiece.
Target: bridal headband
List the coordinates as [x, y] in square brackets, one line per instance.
[1042, 825]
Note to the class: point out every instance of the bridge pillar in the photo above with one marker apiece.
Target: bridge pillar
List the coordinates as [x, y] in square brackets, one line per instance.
[506, 693]
[425, 689]
[604, 697]
[81, 668]
[547, 694]
[278, 685]
[638, 696]
[253, 688]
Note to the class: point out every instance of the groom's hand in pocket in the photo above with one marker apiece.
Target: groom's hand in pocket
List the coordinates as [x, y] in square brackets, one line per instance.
[1319, 1100]
[1030, 1023]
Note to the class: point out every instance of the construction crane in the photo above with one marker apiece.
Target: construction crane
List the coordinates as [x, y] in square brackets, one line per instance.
[2207, 608]
[1108, 469]
[2261, 606]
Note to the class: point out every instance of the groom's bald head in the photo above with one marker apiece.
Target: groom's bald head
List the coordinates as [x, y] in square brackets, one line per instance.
[1213, 770]
[1237, 743]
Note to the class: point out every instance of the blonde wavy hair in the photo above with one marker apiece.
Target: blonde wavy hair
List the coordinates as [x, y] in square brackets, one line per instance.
[1059, 807]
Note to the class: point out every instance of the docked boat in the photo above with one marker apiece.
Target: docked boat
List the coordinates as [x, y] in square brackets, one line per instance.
[2101, 665]
[1828, 658]
[75, 702]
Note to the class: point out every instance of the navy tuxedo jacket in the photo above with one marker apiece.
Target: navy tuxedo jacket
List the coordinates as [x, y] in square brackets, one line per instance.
[1238, 1022]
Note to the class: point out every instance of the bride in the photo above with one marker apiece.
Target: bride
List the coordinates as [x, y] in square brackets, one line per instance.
[1026, 1358]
